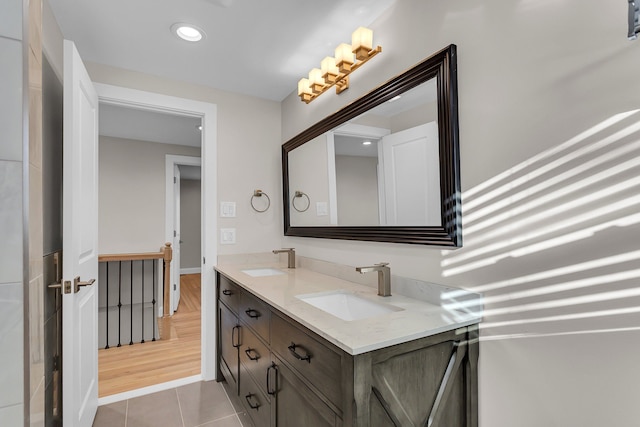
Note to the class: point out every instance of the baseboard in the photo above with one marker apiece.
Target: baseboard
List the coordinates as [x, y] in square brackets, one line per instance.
[195, 270]
[148, 390]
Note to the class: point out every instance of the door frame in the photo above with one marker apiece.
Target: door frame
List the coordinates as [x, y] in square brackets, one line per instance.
[171, 161]
[207, 112]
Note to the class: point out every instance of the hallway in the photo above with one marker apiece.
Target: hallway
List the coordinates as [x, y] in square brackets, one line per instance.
[126, 368]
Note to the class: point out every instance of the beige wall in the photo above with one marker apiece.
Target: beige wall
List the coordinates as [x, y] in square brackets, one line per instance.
[248, 150]
[190, 208]
[308, 173]
[561, 333]
[132, 194]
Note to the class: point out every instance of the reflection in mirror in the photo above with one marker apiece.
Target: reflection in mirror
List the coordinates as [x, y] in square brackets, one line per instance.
[383, 168]
[380, 168]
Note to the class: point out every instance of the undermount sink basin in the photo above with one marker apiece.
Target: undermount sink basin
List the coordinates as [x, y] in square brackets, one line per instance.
[261, 272]
[347, 306]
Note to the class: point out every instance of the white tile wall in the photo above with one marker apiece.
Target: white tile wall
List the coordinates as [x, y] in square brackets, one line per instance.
[10, 22]
[11, 350]
[12, 415]
[11, 221]
[10, 97]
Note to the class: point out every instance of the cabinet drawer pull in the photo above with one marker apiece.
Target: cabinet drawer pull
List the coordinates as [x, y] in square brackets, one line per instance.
[275, 368]
[233, 337]
[227, 292]
[251, 405]
[250, 350]
[292, 349]
[254, 314]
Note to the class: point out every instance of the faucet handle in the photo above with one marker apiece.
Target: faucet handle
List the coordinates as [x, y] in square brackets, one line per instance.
[382, 264]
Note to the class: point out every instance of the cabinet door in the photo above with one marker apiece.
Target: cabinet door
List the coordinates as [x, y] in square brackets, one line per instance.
[230, 336]
[297, 405]
[255, 402]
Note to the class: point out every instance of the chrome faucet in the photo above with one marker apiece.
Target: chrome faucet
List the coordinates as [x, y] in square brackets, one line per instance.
[384, 277]
[292, 256]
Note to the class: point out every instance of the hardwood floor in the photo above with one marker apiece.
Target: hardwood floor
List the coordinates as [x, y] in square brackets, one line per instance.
[134, 366]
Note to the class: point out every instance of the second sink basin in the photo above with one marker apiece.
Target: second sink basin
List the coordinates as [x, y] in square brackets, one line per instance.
[261, 272]
[346, 305]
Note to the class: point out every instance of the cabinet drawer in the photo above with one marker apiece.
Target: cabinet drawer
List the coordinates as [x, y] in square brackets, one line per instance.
[312, 359]
[254, 401]
[229, 337]
[229, 293]
[255, 314]
[255, 357]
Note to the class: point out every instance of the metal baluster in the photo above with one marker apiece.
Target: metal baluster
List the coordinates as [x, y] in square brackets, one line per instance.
[131, 305]
[153, 301]
[142, 305]
[107, 304]
[119, 303]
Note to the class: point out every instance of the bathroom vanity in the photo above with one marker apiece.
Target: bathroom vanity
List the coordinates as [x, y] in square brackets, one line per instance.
[301, 348]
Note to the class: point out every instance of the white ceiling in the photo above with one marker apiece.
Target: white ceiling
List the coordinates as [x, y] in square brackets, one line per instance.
[256, 47]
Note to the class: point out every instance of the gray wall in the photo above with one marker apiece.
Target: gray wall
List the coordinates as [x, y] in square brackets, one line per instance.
[190, 215]
[132, 194]
[549, 230]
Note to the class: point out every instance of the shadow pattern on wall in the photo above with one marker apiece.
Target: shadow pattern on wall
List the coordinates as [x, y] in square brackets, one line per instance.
[553, 241]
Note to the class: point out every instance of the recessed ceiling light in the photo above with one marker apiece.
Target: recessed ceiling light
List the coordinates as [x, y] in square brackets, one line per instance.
[366, 143]
[188, 32]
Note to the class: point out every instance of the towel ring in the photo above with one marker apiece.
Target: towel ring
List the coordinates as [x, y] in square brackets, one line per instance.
[260, 193]
[300, 194]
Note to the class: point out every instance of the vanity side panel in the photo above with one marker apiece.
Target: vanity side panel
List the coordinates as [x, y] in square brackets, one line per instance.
[421, 380]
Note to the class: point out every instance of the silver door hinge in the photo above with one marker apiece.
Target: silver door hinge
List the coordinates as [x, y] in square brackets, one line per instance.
[174, 233]
[175, 180]
[204, 260]
[175, 287]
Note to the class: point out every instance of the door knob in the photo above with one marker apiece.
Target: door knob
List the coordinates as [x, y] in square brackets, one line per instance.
[77, 284]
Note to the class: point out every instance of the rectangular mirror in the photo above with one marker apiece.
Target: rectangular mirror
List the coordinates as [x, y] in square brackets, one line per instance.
[384, 168]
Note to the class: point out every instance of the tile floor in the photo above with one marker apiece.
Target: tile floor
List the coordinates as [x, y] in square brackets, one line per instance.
[202, 404]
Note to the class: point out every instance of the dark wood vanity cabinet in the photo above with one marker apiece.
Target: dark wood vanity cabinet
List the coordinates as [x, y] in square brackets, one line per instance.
[286, 375]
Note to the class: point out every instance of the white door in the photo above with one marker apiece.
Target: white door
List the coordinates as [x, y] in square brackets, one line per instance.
[80, 244]
[411, 175]
[176, 237]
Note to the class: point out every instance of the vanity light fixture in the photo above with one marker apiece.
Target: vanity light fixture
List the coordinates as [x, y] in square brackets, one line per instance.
[188, 32]
[335, 70]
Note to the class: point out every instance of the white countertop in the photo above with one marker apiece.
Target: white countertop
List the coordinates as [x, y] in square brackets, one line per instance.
[440, 309]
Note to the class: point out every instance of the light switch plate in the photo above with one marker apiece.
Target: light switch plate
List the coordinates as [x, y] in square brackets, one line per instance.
[228, 209]
[227, 236]
[322, 209]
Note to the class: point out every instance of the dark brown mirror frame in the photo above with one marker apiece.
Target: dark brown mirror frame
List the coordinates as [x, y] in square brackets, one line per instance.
[443, 67]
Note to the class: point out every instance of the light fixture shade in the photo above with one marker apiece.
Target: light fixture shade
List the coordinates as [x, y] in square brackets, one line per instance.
[362, 38]
[329, 69]
[344, 57]
[304, 87]
[316, 80]
[362, 42]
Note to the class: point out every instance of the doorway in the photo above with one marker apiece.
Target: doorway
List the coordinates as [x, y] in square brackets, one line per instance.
[183, 174]
[149, 102]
